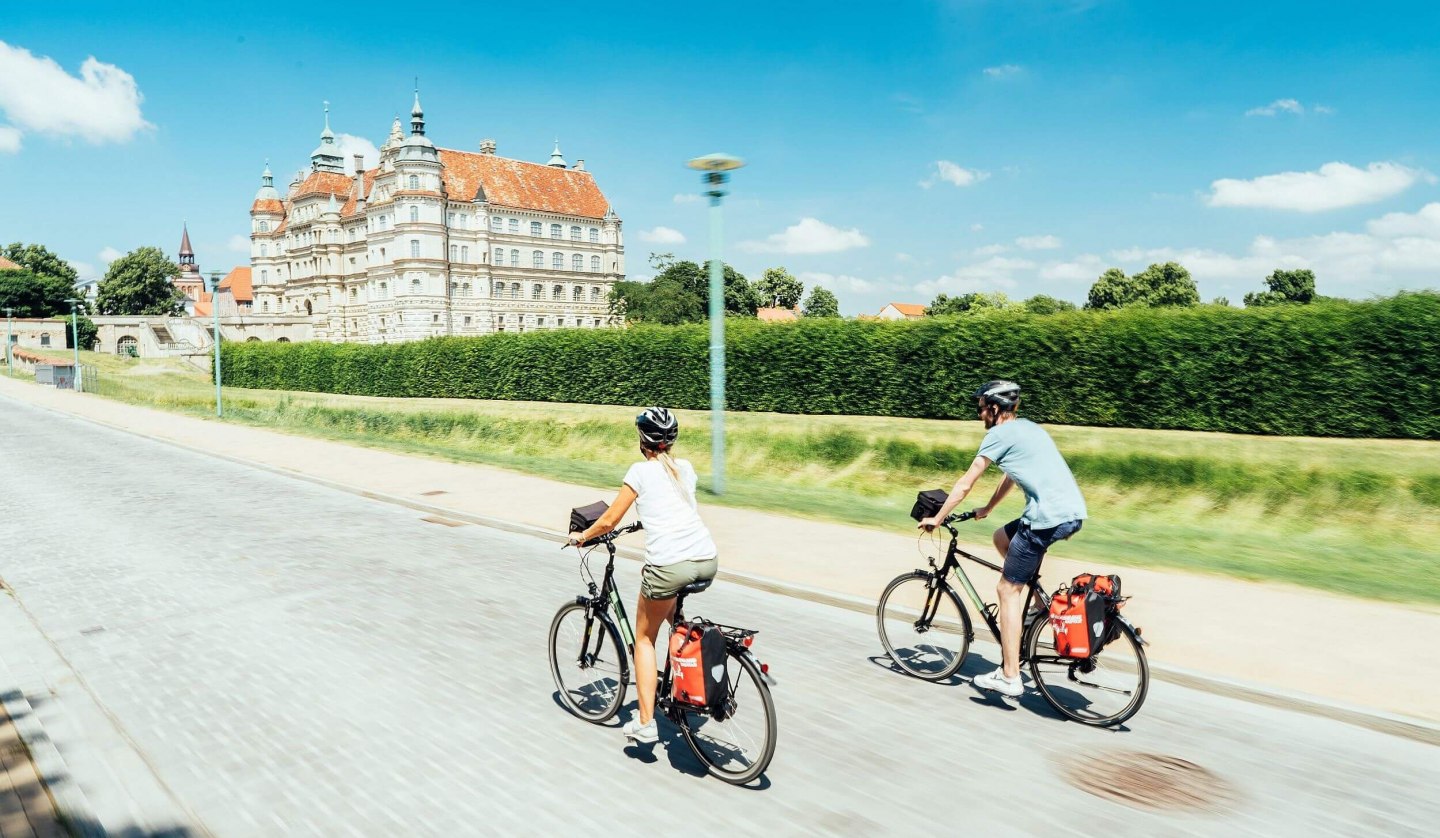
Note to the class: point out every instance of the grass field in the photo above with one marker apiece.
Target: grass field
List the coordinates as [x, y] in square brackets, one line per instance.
[1360, 517]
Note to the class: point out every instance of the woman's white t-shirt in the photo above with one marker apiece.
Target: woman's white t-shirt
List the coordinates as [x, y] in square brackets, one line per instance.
[673, 529]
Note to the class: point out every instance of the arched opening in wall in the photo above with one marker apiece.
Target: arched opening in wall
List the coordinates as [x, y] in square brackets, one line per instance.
[282, 340]
[252, 339]
[308, 308]
[127, 347]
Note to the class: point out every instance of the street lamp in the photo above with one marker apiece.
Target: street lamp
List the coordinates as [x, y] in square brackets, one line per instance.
[715, 167]
[75, 339]
[215, 309]
[9, 332]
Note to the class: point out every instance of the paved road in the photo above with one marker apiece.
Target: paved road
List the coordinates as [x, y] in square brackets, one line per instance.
[222, 650]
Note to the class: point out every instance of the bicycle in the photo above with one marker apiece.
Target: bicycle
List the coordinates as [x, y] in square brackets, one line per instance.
[923, 612]
[592, 673]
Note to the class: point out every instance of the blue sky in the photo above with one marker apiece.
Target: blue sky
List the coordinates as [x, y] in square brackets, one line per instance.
[894, 151]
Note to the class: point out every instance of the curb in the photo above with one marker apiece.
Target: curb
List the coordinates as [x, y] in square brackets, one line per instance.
[1406, 727]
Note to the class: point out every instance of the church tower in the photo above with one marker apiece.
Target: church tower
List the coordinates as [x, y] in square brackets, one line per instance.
[190, 283]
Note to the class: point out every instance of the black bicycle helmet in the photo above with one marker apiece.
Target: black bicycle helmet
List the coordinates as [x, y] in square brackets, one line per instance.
[999, 392]
[658, 428]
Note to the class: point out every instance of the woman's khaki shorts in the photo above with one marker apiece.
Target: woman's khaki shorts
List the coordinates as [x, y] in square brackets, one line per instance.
[664, 581]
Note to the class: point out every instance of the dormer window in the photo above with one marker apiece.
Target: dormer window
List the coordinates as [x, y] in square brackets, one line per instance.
[264, 226]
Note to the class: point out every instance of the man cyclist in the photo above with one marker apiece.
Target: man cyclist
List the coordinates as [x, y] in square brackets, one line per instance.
[1054, 510]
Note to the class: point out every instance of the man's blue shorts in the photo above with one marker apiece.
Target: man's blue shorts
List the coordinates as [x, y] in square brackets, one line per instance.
[1027, 548]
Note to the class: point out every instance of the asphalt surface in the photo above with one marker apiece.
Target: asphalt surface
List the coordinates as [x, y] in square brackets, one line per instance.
[218, 649]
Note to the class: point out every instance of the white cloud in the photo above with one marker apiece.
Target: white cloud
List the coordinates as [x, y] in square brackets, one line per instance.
[809, 235]
[1086, 267]
[1323, 109]
[1425, 222]
[1038, 243]
[351, 145]
[1276, 107]
[1333, 186]
[83, 270]
[687, 198]
[239, 243]
[662, 235]
[841, 282]
[990, 250]
[1003, 71]
[904, 257]
[109, 254]
[101, 105]
[953, 173]
[976, 227]
[992, 274]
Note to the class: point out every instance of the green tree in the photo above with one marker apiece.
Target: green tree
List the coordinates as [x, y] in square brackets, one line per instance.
[89, 333]
[1168, 284]
[1046, 304]
[38, 259]
[969, 303]
[821, 303]
[35, 296]
[1285, 287]
[779, 288]
[1220, 301]
[141, 282]
[1113, 290]
[680, 293]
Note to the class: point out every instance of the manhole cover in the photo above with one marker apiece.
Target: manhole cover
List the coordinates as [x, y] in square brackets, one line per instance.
[1148, 781]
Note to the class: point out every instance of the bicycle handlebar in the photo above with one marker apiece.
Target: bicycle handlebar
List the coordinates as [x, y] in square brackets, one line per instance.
[612, 535]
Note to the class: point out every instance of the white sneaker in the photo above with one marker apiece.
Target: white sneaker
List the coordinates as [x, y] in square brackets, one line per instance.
[997, 682]
[643, 734]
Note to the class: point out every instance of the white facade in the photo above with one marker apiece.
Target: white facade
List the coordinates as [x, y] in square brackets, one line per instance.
[435, 242]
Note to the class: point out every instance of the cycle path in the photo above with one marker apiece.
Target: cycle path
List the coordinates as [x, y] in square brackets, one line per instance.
[223, 650]
[1280, 636]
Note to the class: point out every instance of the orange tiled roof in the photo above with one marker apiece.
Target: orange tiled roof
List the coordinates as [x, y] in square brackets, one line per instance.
[776, 315]
[238, 283]
[910, 309]
[7, 265]
[325, 183]
[202, 303]
[522, 185]
[368, 183]
[267, 205]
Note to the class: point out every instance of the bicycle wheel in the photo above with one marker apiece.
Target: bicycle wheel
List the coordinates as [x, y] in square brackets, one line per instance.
[1102, 690]
[932, 648]
[590, 677]
[738, 748]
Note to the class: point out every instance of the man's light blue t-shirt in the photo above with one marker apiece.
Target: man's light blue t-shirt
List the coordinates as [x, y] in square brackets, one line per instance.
[1026, 453]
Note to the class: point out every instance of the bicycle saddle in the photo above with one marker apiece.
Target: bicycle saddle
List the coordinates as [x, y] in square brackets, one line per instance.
[696, 587]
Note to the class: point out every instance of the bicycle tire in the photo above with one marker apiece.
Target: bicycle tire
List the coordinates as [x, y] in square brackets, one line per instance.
[693, 725]
[934, 661]
[610, 695]
[1055, 677]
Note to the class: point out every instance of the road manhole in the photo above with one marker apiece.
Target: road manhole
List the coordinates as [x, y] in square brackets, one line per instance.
[1149, 781]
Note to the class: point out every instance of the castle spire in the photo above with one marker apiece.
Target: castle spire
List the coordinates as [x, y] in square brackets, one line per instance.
[185, 250]
[417, 115]
[556, 159]
[326, 156]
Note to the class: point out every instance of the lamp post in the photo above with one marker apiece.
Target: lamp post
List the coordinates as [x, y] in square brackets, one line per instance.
[715, 167]
[9, 336]
[75, 339]
[215, 310]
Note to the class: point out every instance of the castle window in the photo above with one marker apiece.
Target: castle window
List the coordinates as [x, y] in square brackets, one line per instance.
[539, 322]
[414, 182]
[535, 228]
[454, 252]
[515, 258]
[557, 292]
[44, 338]
[537, 291]
[449, 219]
[495, 222]
[354, 294]
[464, 253]
[557, 261]
[574, 234]
[264, 275]
[499, 255]
[264, 226]
[414, 286]
[594, 234]
[265, 305]
[499, 290]
[414, 248]
[595, 264]
[414, 212]
[578, 294]
[514, 290]
[514, 225]
[594, 293]
[555, 231]
[577, 262]
[537, 259]
[464, 221]
[465, 290]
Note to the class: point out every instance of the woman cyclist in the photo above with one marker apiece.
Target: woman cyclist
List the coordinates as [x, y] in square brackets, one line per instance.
[678, 547]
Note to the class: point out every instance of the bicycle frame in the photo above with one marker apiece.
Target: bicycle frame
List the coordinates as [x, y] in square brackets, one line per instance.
[989, 612]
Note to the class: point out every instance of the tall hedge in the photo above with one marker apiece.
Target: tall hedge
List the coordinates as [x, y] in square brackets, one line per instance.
[1368, 369]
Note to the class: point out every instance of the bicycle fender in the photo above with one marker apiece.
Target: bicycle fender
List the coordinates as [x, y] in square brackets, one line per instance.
[1135, 631]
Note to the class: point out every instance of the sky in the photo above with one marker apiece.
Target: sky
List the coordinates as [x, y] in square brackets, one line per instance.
[894, 151]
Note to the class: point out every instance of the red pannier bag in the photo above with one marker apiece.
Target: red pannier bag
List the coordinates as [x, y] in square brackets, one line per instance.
[1079, 622]
[697, 664]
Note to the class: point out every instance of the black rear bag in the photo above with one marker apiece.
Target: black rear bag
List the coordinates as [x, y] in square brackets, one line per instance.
[717, 676]
[583, 518]
[928, 503]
